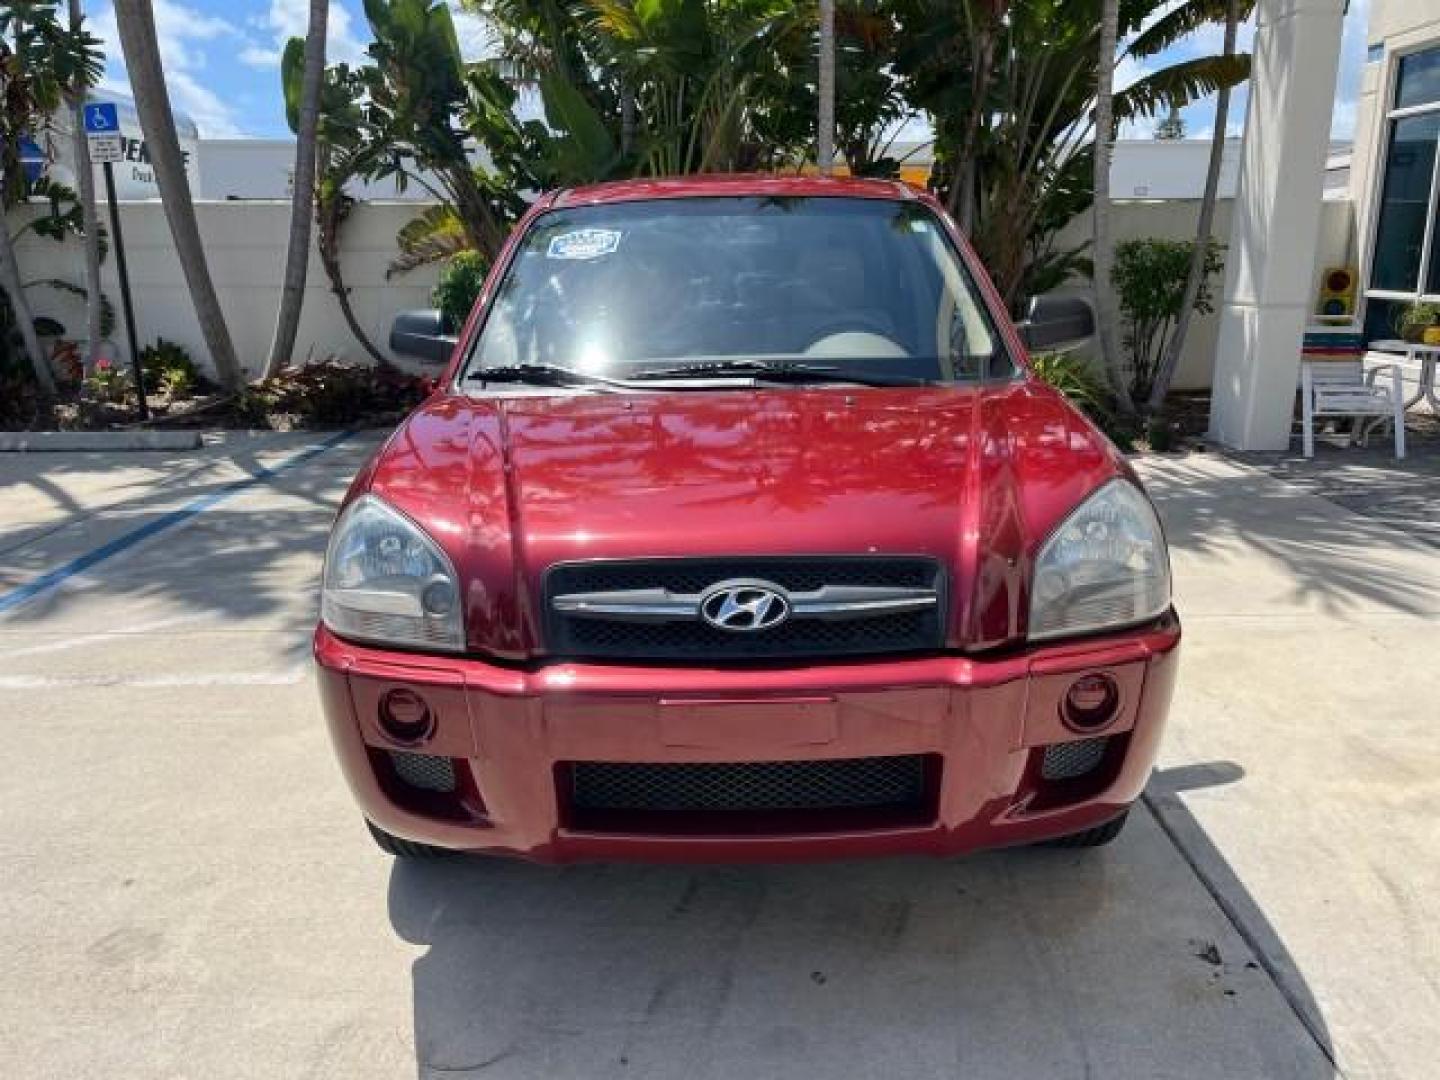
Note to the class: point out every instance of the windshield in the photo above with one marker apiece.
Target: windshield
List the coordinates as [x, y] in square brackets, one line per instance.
[845, 286]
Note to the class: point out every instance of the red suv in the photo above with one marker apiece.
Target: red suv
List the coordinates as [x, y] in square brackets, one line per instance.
[737, 529]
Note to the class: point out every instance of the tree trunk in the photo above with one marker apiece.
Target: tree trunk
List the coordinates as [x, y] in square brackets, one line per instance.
[1170, 362]
[10, 282]
[329, 219]
[85, 178]
[825, 122]
[302, 193]
[627, 117]
[1104, 247]
[963, 197]
[136, 22]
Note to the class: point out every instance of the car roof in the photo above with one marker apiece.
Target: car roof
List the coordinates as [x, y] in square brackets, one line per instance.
[712, 185]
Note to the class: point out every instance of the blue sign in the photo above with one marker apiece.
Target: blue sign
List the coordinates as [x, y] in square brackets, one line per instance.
[102, 118]
[32, 159]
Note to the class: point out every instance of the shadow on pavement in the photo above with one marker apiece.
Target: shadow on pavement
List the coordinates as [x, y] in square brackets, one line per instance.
[236, 561]
[1337, 561]
[1032, 963]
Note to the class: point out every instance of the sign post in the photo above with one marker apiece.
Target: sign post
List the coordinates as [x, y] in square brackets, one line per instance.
[102, 131]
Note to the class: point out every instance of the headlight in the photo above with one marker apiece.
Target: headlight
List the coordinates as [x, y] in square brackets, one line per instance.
[1105, 567]
[387, 582]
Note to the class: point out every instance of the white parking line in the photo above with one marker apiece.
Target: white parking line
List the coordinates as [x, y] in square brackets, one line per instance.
[295, 675]
[105, 635]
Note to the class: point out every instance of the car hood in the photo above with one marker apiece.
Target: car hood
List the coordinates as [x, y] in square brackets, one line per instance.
[511, 485]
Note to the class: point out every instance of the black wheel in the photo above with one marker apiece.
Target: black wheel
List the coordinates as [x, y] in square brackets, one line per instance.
[403, 849]
[1096, 837]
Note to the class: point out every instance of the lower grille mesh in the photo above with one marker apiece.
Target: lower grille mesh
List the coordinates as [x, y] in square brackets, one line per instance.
[1065, 761]
[424, 771]
[768, 785]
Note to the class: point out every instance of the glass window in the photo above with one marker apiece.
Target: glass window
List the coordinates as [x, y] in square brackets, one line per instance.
[853, 283]
[1419, 81]
[1405, 203]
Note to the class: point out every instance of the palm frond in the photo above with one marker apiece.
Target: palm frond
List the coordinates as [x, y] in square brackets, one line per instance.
[1178, 85]
[1175, 25]
[435, 234]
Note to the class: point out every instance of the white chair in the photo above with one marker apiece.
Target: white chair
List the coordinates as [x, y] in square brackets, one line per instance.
[1346, 388]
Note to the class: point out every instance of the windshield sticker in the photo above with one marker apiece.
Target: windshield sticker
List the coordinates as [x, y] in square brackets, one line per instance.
[584, 244]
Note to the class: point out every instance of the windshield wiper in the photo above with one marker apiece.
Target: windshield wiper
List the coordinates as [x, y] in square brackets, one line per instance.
[539, 375]
[776, 371]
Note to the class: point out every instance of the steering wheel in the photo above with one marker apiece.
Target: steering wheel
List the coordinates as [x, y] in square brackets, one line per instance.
[853, 334]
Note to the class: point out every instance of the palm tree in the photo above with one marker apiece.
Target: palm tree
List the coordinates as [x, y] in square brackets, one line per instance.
[39, 62]
[304, 117]
[344, 150]
[1104, 243]
[1203, 228]
[136, 22]
[85, 178]
[825, 153]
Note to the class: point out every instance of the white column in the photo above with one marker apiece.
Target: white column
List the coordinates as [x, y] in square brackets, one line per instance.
[1270, 267]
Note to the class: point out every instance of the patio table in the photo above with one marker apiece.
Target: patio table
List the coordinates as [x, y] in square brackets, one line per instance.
[1416, 352]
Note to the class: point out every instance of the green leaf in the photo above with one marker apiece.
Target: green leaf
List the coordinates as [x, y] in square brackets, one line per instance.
[584, 148]
[292, 73]
[1178, 85]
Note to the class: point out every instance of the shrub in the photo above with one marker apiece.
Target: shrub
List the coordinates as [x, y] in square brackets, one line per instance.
[1074, 377]
[329, 393]
[169, 370]
[1149, 281]
[460, 283]
[108, 383]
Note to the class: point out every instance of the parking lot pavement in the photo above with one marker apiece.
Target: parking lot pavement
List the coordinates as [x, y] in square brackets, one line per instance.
[189, 891]
[1302, 759]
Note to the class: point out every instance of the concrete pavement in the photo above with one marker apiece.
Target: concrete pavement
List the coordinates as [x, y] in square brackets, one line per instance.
[189, 891]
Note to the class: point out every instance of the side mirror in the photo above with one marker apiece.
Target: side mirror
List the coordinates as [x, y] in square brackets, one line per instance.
[1057, 321]
[423, 335]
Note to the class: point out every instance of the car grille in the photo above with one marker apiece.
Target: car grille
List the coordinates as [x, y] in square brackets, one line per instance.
[849, 783]
[1066, 761]
[692, 638]
[424, 771]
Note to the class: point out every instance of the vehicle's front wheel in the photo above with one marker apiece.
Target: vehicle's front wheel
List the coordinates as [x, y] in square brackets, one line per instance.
[402, 849]
[1099, 835]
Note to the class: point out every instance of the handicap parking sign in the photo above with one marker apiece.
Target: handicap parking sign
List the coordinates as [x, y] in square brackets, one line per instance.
[102, 118]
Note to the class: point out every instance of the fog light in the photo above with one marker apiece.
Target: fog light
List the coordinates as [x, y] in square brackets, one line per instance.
[405, 716]
[1091, 703]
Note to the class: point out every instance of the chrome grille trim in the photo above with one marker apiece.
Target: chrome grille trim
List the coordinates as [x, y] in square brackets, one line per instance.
[827, 602]
[658, 609]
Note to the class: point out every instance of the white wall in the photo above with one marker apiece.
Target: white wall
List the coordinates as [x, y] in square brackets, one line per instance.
[262, 169]
[245, 242]
[1175, 219]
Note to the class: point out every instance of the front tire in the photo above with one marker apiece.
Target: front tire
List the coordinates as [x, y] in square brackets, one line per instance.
[1099, 836]
[403, 849]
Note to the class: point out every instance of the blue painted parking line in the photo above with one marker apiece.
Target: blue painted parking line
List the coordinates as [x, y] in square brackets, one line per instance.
[47, 581]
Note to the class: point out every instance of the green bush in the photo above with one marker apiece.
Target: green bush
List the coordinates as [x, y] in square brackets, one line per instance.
[169, 370]
[460, 283]
[1074, 377]
[328, 393]
[1149, 281]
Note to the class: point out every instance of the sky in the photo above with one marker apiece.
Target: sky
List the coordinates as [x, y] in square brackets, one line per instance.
[222, 61]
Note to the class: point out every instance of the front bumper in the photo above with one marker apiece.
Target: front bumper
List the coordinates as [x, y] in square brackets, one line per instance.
[512, 735]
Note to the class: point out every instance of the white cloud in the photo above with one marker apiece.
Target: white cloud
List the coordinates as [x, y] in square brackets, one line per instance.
[285, 19]
[182, 33]
[257, 57]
